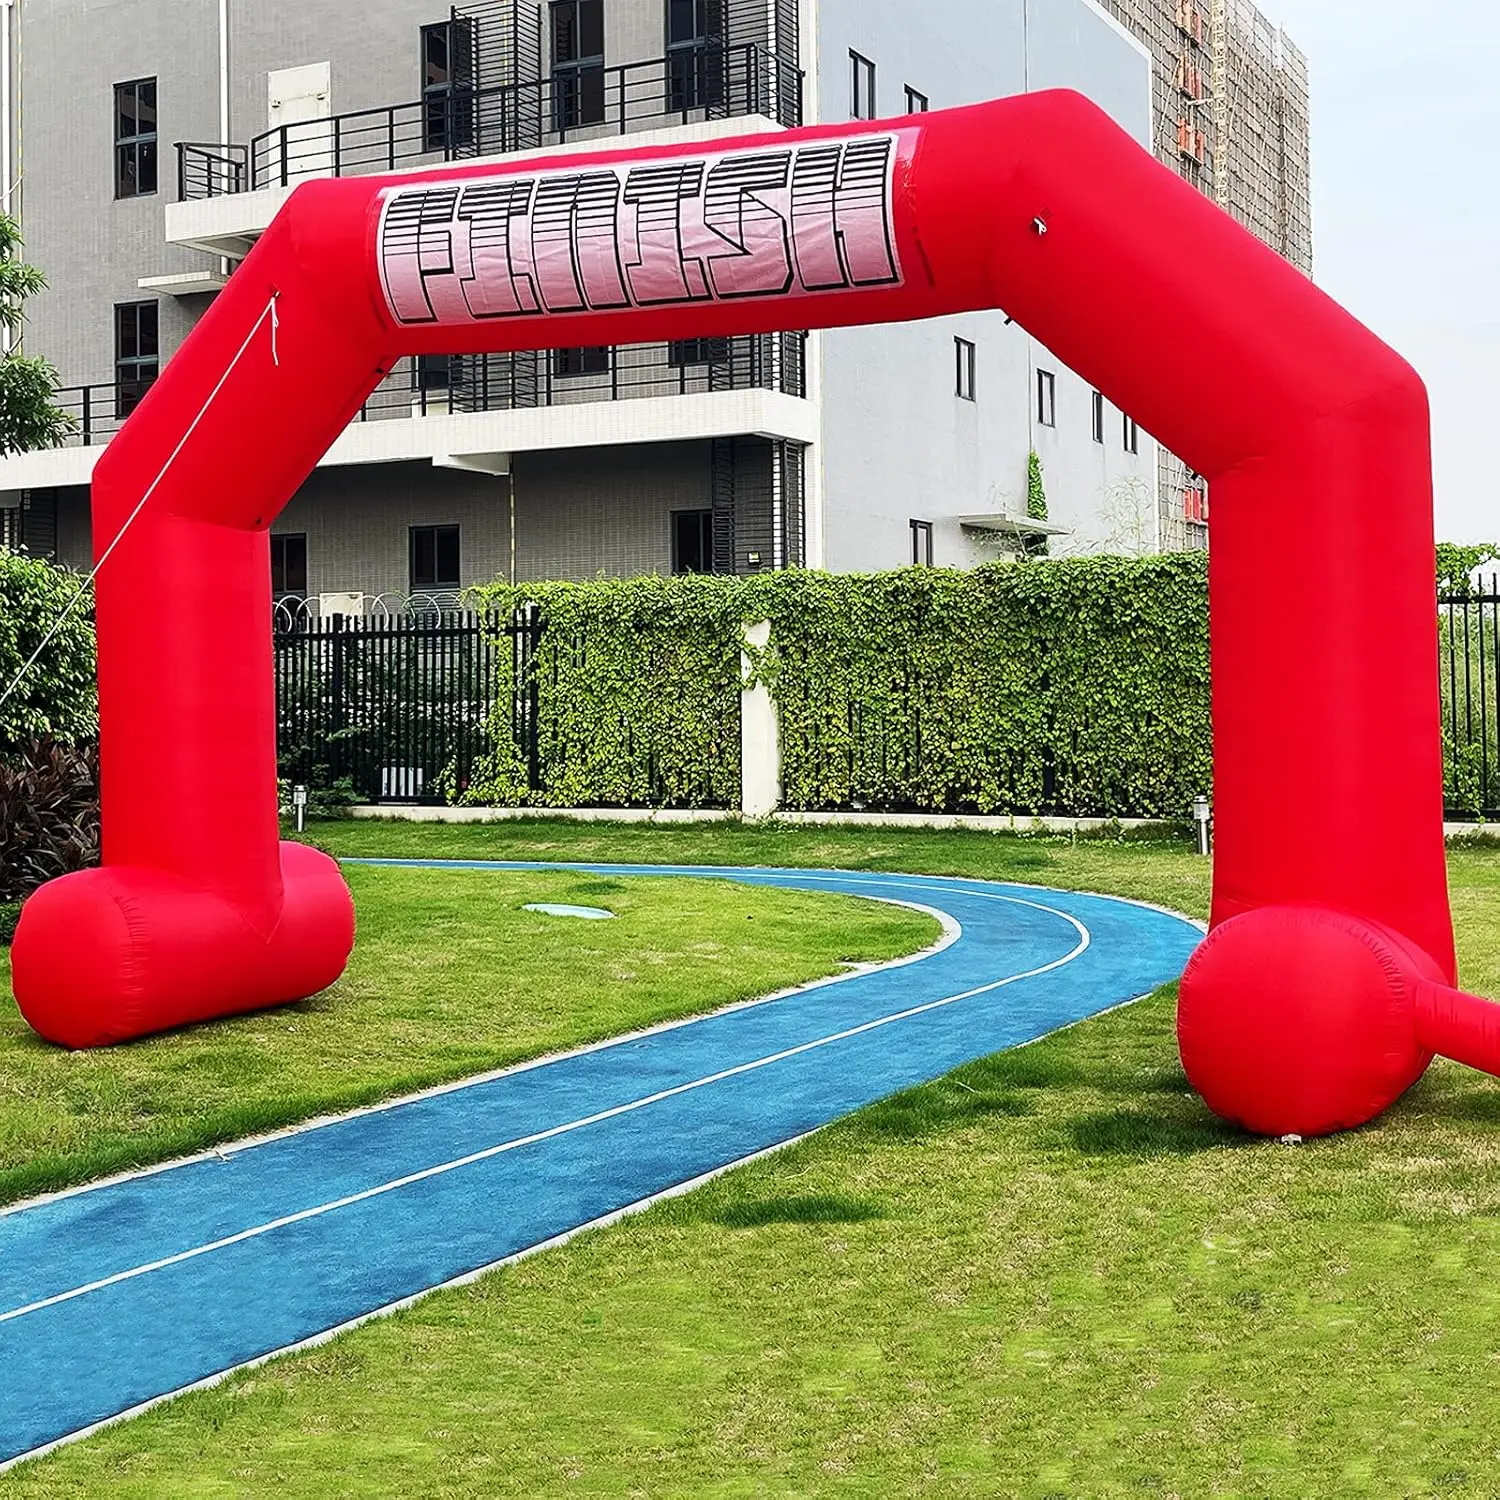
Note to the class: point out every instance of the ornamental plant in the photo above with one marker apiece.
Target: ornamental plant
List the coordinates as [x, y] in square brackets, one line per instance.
[49, 816]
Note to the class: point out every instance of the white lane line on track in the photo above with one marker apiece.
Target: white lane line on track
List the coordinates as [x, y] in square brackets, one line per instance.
[227, 1151]
[401, 1304]
[558, 1130]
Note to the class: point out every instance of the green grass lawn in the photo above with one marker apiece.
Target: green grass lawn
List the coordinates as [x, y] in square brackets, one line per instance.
[1052, 1273]
[449, 978]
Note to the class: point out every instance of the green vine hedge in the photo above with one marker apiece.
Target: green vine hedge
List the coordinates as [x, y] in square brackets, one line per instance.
[1073, 687]
[1077, 687]
[57, 699]
[637, 686]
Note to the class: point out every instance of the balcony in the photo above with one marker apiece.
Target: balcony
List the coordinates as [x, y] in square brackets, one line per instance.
[456, 411]
[701, 90]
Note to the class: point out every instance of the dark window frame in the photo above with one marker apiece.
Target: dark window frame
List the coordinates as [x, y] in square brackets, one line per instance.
[448, 103]
[917, 103]
[699, 524]
[137, 367]
[135, 152]
[1098, 404]
[1046, 398]
[695, 62]
[690, 354]
[582, 361]
[921, 543]
[437, 372]
[862, 86]
[1131, 432]
[439, 533]
[281, 543]
[577, 79]
[966, 359]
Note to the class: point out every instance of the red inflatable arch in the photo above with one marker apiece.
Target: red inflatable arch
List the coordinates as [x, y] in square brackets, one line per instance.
[1330, 901]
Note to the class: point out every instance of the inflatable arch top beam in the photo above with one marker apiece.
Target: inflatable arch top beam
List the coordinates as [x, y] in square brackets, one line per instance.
[1313, 434]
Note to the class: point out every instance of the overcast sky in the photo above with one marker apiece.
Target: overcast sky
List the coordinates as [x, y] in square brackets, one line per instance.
[1406, 210]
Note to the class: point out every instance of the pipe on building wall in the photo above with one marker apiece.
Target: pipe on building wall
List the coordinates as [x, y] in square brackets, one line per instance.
[7, 128]
[224, 262]
[223, 70]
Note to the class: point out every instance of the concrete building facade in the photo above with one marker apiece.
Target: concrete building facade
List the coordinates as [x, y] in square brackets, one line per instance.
[149, 142]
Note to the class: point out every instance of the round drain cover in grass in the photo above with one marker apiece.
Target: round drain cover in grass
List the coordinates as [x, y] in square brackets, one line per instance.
[588, 913]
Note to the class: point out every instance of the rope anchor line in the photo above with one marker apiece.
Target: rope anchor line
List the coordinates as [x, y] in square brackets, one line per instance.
[270, 312]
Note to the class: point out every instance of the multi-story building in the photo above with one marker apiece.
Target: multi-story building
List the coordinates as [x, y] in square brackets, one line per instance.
[1231, 115]
[149, 142]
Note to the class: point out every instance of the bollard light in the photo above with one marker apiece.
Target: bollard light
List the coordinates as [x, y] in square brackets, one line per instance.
[299, 806]
[1203, 814]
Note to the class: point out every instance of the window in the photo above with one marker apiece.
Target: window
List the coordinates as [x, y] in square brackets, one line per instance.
[964, 352]
[685, 353]
[137, 354]
[135, 138]
[1132, 435]
[289, 566]
[437, 372]
[921, 544]
[448, 85]
[862, 88]
[916, 103]
[695, 53]
[1046, 398]
[1098, 416]
[593, 359]
[577, 63]
[434, 558]
[692, 541]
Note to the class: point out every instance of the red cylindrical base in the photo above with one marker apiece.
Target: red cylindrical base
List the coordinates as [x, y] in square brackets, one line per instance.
[1302, 1021]
[115, 953]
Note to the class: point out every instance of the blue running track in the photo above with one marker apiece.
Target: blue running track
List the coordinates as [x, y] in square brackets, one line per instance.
[117, 1295]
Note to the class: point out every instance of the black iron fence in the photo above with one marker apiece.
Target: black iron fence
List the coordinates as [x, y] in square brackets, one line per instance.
[397, 708]
[440, 384]
[1469, 637]
[582, 103]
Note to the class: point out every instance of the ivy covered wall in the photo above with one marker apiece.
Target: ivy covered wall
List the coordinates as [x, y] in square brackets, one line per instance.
[1076, 688]
[1073, 687]
[634, 689]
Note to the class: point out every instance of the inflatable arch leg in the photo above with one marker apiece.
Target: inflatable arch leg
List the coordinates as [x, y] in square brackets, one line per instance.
[1325, 692]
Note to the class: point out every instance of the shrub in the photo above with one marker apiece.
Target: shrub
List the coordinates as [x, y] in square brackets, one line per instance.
[10, 914]
[57, 699]
[49, 816]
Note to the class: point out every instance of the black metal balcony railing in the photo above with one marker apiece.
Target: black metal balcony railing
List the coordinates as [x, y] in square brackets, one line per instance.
[706, 83]
[512, 382]
[98, 413]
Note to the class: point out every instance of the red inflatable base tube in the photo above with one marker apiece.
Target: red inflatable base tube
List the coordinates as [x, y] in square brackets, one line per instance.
[159, 949]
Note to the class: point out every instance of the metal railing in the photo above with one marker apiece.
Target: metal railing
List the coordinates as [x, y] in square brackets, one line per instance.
[420, 707]
[513, 382]
[1469, 656]
[395, 705]
[593, 103]
[98, 413]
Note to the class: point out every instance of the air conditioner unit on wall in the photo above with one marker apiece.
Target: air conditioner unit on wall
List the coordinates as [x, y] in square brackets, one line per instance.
[341, 604]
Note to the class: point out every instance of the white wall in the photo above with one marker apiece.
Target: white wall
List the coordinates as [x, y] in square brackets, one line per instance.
[897, 444]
